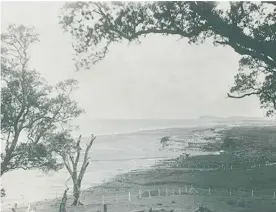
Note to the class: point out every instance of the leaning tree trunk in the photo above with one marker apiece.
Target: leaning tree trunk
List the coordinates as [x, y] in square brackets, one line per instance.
[71, 164]
[62, 207]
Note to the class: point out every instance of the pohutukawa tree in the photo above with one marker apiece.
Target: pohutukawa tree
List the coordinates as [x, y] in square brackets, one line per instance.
[249, 28]
[70, 152]
[31, 109]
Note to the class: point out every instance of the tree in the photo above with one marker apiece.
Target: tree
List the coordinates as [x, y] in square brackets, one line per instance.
[3, 192]
[249, 28]
[30, 108]
[62, 206]
[70, 151]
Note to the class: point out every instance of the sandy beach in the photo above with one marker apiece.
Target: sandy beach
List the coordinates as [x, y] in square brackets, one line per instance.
[215, 181]
[111, 155]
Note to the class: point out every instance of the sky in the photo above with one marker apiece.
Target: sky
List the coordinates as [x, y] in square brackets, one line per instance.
[161, 78]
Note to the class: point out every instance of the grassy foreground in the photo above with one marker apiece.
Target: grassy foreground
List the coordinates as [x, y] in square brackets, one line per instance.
[239, 180]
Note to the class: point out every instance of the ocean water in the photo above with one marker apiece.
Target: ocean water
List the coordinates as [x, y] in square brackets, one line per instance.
[111, 154]
[99, 127]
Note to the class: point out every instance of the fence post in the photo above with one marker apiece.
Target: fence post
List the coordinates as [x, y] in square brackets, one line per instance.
[179, 191]
[166, 192]
[103, 199]
[140, 196]
[129, 198]
[230, 192]
[173, 192]
[149, 194]
[252, 193]
[274, 195]
[231, 166]
[186, 189]
[159, 192]
[28, 209]
[105, 208]
[209, 190]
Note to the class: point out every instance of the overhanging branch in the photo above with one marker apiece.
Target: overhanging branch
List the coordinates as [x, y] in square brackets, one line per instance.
[244, 95]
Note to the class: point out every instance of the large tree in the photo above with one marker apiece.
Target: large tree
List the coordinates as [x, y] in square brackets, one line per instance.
[30, 108]
[249, 28]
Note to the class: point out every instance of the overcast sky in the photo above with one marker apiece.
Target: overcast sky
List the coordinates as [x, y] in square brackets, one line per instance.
[162, 77]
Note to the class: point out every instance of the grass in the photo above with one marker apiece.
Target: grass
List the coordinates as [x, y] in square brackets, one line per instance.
[252, 146]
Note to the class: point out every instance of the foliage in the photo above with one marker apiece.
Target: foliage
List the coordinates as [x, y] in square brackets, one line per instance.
[3, 192]
[249, 28]
[165, 139]
[228, 143]
[30, 108]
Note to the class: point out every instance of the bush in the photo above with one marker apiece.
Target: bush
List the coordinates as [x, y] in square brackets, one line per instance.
[3, 192]
[231, 202]
[228, 143]
[241, 203]
[165, 139]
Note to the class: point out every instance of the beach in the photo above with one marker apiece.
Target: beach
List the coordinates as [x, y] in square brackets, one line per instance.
[167, 183]
[111, 155]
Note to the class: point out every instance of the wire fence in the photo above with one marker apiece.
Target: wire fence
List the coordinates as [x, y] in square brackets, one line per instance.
[186, 190]
[185, 193]
[218, 166]
[114, 197]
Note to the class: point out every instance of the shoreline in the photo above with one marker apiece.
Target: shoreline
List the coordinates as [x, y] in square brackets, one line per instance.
[163, 159]
[165, 175]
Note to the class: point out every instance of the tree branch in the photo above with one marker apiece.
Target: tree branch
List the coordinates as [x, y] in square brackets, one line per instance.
[78, 150]
[244, 95]
[85, 160]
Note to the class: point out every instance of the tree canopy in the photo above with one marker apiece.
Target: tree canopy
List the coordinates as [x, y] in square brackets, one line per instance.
[249, 28]
[31, 109]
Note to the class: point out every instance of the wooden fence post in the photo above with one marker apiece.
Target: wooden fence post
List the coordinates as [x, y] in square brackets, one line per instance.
[105, 208]
[129, 198]
[29, 207]
[103, 199]
[209, 190]
[252, 193]
[159, 193]
[149, 194]
[140, 196]
[230, 192]
[179, 191]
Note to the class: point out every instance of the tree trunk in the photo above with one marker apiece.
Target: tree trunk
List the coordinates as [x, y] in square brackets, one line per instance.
[62, 207]
[77, 193]
[8, 155]
[4, 164]
[71, 163]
